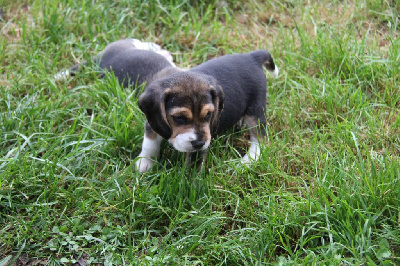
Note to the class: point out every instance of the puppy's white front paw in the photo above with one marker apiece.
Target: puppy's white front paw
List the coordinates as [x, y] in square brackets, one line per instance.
[245, 159]
[143, 164]
[253, 154]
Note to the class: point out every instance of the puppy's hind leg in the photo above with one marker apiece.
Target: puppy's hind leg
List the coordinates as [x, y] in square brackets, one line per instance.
[257, 135]
[150, 150]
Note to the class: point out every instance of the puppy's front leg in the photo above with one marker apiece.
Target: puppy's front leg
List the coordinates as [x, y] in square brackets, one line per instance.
[256, 134]
[195, 159]
[150, 149]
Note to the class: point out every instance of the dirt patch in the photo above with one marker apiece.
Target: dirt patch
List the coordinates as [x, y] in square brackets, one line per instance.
[270, 21]
[22, 261]
[12, 20]
[26, 261]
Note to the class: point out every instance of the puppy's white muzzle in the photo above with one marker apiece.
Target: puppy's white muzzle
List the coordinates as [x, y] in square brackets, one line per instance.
[187, 142]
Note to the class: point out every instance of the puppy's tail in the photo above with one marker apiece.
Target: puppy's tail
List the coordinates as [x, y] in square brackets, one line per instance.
[264, 58]
[72, 71]
[64, 75]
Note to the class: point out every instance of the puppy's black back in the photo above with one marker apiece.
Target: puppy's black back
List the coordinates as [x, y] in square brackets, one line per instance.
[133, 66]
[243, 80]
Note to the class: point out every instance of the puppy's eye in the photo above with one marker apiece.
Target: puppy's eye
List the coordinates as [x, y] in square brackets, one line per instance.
[207, 117]
[180, 119]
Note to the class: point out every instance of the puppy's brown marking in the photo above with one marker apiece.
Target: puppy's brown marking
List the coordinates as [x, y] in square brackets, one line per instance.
[207, 109]
[254, 129]
[178, 130]
[205, 131]
[162, 105]
[176, 111]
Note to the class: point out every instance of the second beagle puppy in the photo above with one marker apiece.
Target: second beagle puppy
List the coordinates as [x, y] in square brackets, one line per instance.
[187, 108]
[132, 62]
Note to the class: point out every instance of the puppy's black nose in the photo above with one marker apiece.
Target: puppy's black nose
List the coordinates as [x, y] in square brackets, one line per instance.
[197, 144]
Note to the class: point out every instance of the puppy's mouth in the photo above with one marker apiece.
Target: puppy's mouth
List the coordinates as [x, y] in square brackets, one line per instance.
[189, 146]
[188, 142]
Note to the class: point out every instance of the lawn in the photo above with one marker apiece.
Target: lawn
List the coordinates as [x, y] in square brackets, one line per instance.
[326, 190]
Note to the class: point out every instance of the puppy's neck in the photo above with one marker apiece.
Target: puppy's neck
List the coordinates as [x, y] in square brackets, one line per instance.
[164, 73]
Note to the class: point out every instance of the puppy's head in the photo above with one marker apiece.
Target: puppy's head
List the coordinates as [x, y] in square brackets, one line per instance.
[183, 108]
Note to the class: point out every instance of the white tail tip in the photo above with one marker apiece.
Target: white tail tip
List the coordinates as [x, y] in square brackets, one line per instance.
[275, 73]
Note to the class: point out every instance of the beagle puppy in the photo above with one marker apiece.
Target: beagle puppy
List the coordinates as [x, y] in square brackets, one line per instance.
[132, 62]
[188, 108]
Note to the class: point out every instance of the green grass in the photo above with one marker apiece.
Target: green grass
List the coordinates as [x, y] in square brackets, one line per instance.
[326, 191]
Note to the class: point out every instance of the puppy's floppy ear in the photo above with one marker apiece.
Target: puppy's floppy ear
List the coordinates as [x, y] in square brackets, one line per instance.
[152, 103]
[218, 97]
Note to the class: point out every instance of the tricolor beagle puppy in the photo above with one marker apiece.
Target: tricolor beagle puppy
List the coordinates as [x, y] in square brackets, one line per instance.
[131, 61]
[188, 108]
